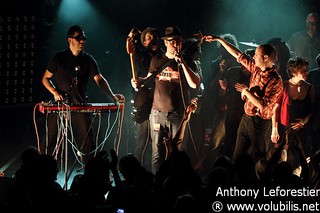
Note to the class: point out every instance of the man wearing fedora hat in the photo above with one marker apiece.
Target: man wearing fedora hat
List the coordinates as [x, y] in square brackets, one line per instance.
[174, 75]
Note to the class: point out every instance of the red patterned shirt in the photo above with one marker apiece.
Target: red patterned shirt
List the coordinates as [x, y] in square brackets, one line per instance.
[266, 85]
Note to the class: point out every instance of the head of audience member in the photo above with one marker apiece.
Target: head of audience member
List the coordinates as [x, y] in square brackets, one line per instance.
[47, 168]
[282, 54]
[29, 155]
[150, 38]
[282, 173]
[29, 158]
[219, 177]
[298, 67]
[99, 166]
[265, 56]
[128, 166]
[172, 39]
[231, 39]
[313, 24]
[192, 48]
[250, 52]
[186, 204]
[227, 163]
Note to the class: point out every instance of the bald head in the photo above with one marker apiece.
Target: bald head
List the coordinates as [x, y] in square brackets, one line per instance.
[313, 17]
[313, 24]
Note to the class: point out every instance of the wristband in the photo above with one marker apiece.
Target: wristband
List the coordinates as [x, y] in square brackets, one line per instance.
[274, 132]
[246, 89]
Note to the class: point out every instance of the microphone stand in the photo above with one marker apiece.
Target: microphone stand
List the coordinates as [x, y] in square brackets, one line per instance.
[66, 117]
[67, 120]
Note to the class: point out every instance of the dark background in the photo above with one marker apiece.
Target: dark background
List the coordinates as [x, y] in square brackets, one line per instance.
[107, 24]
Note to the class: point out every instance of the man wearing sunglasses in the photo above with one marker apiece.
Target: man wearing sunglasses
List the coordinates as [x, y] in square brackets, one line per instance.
[306, 44]
[66, 78]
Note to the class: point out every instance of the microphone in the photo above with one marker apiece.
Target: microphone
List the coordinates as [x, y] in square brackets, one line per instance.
[177, 56]
[176, 50]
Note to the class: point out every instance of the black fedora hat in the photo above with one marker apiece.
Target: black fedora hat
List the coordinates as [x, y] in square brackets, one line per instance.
[172, 32]
[151, 30]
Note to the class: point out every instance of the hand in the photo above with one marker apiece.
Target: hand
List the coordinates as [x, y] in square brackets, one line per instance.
[275, 138]
[114, 159]
[223, 65]
[177, 57]
[297, 125]
[241, 88]
[57, 96]
[192, 107]
[134, 83]
[223, 84]
[118, 97]
[275, 135]
[210, 38]
[132, 40]
[200, 37]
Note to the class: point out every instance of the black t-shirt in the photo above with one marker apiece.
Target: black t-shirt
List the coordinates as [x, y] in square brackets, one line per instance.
[168, 95]
[71, 74]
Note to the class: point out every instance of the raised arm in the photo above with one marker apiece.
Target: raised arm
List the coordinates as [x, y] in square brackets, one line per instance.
[178, 137]
[192, 77]
[234, 51]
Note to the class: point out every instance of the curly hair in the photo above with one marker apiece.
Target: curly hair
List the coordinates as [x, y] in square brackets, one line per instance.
[230, 38]
[295, 65]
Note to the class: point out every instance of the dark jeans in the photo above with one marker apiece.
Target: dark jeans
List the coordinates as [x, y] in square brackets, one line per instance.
[233, 119]
[143, 140]
[218, 132]
[253, 137]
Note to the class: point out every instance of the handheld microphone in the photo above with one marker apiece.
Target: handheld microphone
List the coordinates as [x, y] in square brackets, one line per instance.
[177, 56]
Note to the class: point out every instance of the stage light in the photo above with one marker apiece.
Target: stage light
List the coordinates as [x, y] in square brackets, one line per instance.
[17, 45]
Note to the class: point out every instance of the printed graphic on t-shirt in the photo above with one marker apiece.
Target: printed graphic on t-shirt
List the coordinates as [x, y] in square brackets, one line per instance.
[168, 74]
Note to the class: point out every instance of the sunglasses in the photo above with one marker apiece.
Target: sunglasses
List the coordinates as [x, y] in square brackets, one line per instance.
[312, 23]
[174, 41]
[79, 38]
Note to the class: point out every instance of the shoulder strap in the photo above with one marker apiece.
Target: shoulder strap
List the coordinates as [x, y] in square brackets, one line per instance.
[154, 74]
